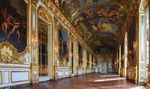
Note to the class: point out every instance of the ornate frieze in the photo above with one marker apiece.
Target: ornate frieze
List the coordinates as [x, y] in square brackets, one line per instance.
[64, 20]
[34, 2]
[44, 14]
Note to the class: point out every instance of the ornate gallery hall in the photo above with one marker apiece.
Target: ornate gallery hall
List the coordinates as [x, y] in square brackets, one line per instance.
[74, 44]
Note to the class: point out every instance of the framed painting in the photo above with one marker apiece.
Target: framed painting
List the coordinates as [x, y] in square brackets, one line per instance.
[13, 27]
[13, 31]
[63, 48]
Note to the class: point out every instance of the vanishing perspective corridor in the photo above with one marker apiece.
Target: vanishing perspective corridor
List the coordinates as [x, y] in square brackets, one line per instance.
[74, 44]
[88, 81]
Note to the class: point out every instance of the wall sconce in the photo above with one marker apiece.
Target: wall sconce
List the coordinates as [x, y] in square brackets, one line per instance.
[70, 55]
[56, 49]
[83, 59]
[34, 40]
[134, 45]
[77, 57]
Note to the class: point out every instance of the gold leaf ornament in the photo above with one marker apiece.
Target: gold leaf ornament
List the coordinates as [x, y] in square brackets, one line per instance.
[9, 54]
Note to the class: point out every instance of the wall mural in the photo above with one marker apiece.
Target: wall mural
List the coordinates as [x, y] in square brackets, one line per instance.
[63, 48]
[13, 30]
[80, 56]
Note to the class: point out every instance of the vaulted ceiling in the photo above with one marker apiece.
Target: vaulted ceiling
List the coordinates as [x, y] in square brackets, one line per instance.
[99, 22]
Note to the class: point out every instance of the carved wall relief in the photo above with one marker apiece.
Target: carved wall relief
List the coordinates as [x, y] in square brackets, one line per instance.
[9, 54]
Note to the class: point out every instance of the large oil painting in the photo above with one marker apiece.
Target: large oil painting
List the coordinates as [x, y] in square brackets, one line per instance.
[63, 47]
[13, 28]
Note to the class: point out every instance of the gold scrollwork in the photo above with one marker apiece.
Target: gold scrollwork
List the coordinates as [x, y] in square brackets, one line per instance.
[9, 54]
[44, 14]
[34, 2]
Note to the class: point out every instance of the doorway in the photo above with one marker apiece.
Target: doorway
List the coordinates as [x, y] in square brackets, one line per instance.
[43, 42]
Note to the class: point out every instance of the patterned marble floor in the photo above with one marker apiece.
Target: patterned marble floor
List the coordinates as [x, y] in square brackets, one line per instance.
[90, 81]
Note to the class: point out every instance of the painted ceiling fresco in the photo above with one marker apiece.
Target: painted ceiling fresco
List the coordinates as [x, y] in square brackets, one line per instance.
[97, 21]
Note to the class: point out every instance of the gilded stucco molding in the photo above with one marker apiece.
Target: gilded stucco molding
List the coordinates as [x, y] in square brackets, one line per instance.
[34, 2]
[133, 8]
[44, 14]
[26, 1]
[9, 54]
[58, 25]
[65, 21]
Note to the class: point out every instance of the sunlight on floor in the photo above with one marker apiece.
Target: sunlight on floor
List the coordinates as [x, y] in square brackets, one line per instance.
[109, 76]
[110, 79]
[140, 87]
[109, 87]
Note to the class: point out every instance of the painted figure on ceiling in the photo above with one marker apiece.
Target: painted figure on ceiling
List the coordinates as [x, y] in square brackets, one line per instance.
[57, 2]
[89, 1]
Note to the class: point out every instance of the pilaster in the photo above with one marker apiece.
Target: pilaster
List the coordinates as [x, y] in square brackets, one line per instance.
[34, 45]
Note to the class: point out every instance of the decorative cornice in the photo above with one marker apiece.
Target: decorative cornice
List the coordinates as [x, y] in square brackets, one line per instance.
[125, 28]
[43, 13]
[71, 29]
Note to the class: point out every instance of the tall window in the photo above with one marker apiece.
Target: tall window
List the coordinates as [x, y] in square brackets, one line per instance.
[80, 55]
[147, 31]
[144, 41]
[72, 56]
